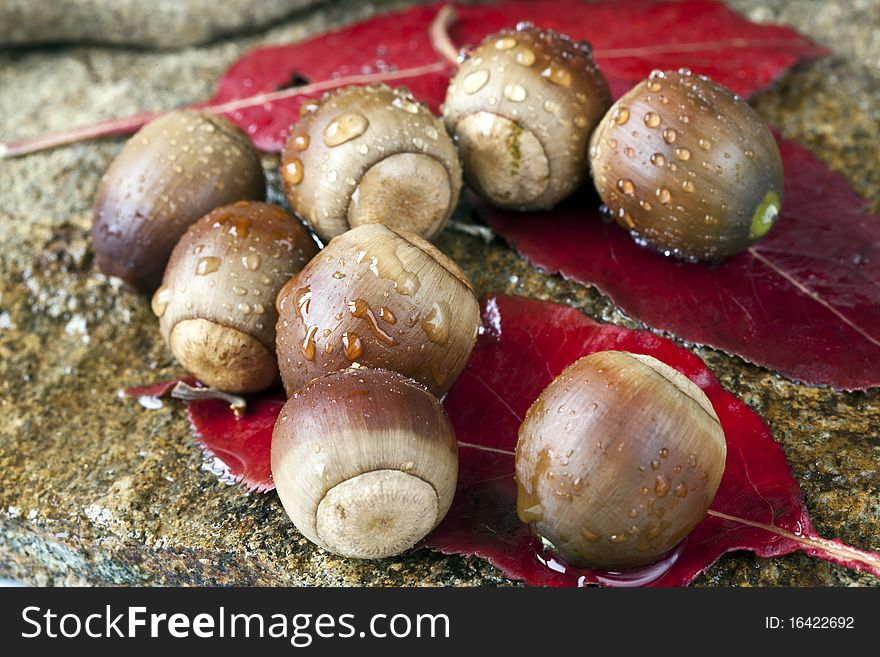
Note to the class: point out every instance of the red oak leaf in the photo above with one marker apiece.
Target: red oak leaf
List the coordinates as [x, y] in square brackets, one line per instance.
[523, 345]
[805, 301]
[234, 432]
[263, 91]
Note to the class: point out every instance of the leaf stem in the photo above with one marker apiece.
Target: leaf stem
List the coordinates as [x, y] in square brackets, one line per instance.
[131, 123]
[439, 33]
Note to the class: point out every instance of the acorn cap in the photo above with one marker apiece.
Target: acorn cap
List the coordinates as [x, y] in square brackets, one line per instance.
[216, 305]
[173, 171]
[688, 167]
[371, 155]
[618, 460]
[522, 108]
[365, 462]
[381, 298]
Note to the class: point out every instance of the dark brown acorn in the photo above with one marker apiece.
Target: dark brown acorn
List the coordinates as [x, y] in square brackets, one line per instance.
[380, 298]
[216, 305]
[367, 155]
[522, 108]
[365, 462]
[688, 167]
[618, 460]
[173, 171]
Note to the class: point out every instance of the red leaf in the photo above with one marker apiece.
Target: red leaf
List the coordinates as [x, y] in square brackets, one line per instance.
[240, 446]
[706, 36]
[805, 301]
[630, 38]
[524, 344]
[237, 446]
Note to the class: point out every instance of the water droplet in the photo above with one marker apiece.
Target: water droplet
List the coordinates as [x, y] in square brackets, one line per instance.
[681, 490]
[626, 186]
[387, 316]
[293, 172]
[207, 265]
[515, 93]
[621, 115]
[618, 538]
[436, 323]
[688, 186]
[682, 153]
[332, 175]
[251, 261]
[661, 486]
[525, 56]
[669, 135]
[550, 106]
[160, 301]
[240, 291]
[505, 43]
[351, 343]
[652, 119]
[361, 309]
[705, 144]
[750, 155]
[589, 535]
[658, 160]
[338, 275]
[308, 345]
[244, 308]
[345, 127]
[664, 195]
[645, 205]
[558, 76]
[300, 142]
[629, 152]
[475, 80]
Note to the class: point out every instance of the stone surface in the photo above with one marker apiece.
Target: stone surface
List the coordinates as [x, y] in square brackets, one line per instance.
[155, 24]
[97, 490]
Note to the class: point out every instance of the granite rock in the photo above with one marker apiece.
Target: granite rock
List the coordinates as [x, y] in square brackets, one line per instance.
[161, 24]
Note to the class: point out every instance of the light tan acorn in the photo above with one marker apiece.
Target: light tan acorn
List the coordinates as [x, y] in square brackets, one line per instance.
[365, 462]
[216, 305]
[370, 154]
[522, 108]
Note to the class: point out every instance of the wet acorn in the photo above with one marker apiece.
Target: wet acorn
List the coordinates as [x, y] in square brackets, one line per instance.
[617, 461]
[367, 155]
[216, 305]
[522, 108]
[365, 462]
[173, 171]
[686, 166]
[380, 298]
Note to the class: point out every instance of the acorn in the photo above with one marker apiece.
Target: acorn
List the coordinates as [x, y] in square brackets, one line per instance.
[688, 167]
[380, 298]
[522, 108]
[371, 154]
[216, 305]
[172, 172]
[365, 462]
[617, 461]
